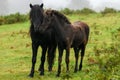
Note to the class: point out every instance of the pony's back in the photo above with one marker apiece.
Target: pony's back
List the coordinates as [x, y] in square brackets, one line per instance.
[82, 25]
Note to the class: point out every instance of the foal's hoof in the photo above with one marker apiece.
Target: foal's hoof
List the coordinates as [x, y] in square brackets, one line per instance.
[75, 71]
[80, 69]
[58, 75]
[49, 69]
[42, 74]
[39, 69]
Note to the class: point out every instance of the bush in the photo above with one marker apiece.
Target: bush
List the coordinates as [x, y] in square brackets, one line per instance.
[13, 18]
[2, 20]
[67, 11]
[108, 10]
[83, 11]
[87, 11]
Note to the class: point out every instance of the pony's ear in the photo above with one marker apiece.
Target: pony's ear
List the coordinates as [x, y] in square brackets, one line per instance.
[41, 5]
[31, 5]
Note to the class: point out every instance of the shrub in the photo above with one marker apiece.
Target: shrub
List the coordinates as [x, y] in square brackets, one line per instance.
[83, 11]
[87, 11]
[13, 18]
[108, 10]
[2, 20]
[67, 11]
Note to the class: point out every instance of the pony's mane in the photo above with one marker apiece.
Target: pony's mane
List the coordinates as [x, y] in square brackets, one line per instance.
[58, 14]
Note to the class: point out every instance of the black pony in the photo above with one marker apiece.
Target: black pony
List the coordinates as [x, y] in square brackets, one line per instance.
[68, 35]
[44, 39]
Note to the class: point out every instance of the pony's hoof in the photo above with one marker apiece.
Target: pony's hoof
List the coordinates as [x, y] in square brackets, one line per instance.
[30, 75]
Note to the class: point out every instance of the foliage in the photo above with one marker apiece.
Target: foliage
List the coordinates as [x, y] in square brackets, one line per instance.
[2, 20]
[67, 11]
[13, 18]
[108, 10]
[87, 11]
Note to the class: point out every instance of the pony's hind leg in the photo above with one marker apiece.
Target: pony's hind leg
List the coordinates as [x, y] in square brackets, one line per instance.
[82, 56]
[34, 55]
[76, 51]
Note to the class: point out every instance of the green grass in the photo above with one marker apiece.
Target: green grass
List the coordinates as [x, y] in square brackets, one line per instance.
[101, 61]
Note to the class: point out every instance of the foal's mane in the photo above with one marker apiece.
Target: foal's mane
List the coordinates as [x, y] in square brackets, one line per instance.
[59, 15]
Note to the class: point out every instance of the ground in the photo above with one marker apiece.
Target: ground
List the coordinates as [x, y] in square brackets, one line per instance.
[101, 61]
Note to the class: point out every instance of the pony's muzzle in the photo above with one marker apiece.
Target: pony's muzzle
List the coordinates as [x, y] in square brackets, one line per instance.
[36, 27]
[41, 30]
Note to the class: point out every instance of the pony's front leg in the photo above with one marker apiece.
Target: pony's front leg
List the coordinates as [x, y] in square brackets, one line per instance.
[34, 55]
[41, 68]
[59, 61]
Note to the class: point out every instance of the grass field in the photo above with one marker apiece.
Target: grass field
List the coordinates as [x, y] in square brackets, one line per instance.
[102, 57]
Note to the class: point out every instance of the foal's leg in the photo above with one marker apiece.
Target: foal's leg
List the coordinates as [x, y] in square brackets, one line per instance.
[43, 60]
[59, 61]
[51, 56]
[82, 55]
[76, 51]
[34, 54]
[67, 58]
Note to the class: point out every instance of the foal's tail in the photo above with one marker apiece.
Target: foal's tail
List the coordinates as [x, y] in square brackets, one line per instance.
[87, 31]
[86, 28]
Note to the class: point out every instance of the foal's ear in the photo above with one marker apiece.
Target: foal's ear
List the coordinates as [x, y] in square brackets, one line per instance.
[41, 5]
[31, 5]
